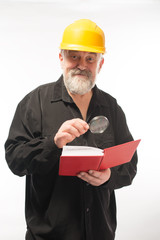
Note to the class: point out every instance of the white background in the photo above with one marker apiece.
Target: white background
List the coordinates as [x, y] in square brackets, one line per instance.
[30, 34]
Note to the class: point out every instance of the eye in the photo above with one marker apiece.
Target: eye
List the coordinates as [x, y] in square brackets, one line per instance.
[90, 59]
[74, 57]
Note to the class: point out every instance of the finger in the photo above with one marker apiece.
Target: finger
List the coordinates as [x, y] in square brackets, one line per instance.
[102, 174]
[80, 123]
[95, 178]
[71, 130]
[80, 126]
[96, 174]
[90, 179]
[85, 124]
[62, 138]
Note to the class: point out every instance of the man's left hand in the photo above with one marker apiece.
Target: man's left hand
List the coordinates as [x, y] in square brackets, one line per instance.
[95, 178]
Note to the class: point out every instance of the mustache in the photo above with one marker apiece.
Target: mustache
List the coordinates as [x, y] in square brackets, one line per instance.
[77, 71]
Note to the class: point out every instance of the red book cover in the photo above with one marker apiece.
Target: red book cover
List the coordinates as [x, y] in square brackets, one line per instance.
[75, 159]
[119, 154]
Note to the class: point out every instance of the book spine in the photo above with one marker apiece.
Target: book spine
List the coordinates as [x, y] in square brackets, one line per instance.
[100, 163]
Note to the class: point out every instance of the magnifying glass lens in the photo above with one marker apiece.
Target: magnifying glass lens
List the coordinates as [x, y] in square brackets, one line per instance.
[98, 124]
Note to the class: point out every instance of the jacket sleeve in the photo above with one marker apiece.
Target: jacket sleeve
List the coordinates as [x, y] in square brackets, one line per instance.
[122, 175]
[27, 151]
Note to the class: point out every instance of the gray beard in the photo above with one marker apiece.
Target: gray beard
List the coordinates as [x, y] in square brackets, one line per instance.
[77, 84]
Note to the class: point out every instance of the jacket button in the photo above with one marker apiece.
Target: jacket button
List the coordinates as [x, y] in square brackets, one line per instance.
[87, 210]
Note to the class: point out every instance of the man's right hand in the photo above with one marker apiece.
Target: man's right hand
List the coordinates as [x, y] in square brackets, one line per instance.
[69, 130]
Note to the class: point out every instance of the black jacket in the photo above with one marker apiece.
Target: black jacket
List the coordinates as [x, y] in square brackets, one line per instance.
[62, 207]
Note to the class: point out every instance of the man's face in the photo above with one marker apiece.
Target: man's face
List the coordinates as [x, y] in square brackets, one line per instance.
[80, 70]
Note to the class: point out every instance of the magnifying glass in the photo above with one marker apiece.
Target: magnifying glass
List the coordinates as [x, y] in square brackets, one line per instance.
[98, 124]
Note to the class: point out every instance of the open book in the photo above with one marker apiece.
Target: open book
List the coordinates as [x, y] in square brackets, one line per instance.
[75, 159]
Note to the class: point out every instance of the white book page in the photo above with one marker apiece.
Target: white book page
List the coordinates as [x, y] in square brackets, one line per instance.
[81, 151]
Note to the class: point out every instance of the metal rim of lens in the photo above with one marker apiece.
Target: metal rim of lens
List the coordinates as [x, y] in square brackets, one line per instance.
[99, 118]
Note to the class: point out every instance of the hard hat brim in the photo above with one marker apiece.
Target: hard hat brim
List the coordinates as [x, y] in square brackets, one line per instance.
[82, 48]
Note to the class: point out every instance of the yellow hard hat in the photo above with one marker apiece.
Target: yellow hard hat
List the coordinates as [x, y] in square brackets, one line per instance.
[83, 35]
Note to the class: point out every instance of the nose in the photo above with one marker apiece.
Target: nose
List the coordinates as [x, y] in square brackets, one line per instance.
[81, 64]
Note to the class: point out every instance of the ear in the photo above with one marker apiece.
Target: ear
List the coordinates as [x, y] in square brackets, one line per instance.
[61, 60]
[60, 57]
[101, 64]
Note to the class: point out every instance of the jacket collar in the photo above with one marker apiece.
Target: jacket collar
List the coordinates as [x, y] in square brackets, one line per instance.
[60, 94]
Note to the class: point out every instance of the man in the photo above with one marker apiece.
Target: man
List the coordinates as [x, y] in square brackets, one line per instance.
[53, 115]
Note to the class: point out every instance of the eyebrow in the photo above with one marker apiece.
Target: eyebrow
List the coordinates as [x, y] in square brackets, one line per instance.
[93, 53]
[79, 51]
